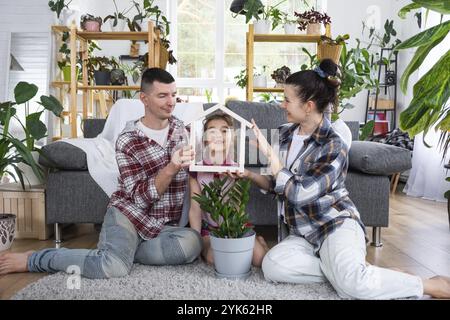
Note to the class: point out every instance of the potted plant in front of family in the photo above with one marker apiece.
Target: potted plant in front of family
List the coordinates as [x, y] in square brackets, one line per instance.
[233, 240]
[91, 23]
[329, 48]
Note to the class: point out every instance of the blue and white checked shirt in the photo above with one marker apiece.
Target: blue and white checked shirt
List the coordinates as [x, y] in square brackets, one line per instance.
[312, 190]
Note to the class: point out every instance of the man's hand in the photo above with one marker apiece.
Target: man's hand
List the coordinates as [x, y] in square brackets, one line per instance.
[182, 158]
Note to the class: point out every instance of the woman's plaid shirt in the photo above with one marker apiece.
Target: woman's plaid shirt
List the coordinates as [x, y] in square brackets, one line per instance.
[312, 189]
[139, 159]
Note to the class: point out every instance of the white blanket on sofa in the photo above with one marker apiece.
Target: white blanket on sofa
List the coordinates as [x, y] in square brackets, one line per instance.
[100, 151]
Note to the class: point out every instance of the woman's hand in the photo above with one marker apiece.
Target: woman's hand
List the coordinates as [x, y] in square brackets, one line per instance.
[239, 175]
[267, 150]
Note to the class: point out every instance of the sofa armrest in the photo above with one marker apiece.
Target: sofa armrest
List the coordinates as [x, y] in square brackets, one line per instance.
[378, 158]
[64, 156]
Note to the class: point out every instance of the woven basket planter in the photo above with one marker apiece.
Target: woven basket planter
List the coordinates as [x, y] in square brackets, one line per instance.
[329, 51]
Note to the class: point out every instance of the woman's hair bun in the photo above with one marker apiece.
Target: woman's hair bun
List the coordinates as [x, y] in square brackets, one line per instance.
[329, 67]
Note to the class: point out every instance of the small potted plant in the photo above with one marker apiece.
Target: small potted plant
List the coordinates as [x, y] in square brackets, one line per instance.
[311, 21]
[265, 16]
[260, 78]
[117, 19]
[64, 14]
[280, 75]
[290, 25]
[329, 48]
[90, 23]
[100, 68]
[233, 240]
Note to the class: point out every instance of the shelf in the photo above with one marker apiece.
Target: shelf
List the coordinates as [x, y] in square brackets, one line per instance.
[113, 35]
[109, 87]
[285, 38]
[257, 89]
[123, 35]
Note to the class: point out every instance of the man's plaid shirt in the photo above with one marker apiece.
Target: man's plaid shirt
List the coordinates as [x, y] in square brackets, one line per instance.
[312, 189]
[139, 159]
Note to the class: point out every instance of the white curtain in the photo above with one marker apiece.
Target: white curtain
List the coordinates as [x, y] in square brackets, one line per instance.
[427, 177]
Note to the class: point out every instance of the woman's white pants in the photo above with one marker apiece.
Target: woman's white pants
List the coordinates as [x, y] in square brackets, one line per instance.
[342, 262]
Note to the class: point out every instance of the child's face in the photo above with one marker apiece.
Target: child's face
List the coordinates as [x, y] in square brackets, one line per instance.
[217, 135]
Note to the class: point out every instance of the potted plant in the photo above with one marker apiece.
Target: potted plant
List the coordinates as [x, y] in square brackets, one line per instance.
[233, 240]
[117, 19]
[265, 16]
[329, 48]
[260, 78]
[19, 154]
[311, 21]
[429, 107]
[7, 230]
[100, 68]
[90, 23]
[290, 25]
[64, 14]
[64, 61]
[280, 75]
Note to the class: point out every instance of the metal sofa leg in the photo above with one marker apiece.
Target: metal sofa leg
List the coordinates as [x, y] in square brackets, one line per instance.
[376, 237]
[57, 236]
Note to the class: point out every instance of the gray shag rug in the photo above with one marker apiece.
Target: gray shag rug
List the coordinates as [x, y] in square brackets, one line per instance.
[194, 281]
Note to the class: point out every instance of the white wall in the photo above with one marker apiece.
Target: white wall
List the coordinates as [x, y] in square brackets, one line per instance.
[347, 16]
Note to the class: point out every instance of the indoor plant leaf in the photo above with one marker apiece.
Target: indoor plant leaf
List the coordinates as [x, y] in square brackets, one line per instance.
[425, 37]
[24, 92]
[441, 6]
[52, 104]
[35, 126]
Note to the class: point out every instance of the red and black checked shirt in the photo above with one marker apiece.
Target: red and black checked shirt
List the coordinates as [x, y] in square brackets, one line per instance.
[139, 159]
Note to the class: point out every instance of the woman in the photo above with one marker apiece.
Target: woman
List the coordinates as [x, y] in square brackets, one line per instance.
[326, 238]
[218, 147]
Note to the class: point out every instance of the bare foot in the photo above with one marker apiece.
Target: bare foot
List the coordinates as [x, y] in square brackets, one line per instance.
[263, 242]
[11, 262]
[437, 287]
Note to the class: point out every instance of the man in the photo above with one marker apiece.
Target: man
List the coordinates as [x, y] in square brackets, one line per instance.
[141, 222]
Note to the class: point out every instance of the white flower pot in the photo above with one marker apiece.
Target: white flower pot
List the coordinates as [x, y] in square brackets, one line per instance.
[119, 27]
[67, 16]
[262, 26]
[7, 230]
[28, 175]
[233, 257]
[260, 81]
[291, 28]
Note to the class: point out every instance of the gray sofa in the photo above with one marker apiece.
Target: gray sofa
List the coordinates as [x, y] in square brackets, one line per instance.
[72, 196]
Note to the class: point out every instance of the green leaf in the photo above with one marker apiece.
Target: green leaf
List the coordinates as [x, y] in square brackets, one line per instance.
[52, 104]
[406, 9]
[431, 91]
[367, 130]
[416, 61]
[35, 126]
[425, 37]
[24, 92]
[441, 6]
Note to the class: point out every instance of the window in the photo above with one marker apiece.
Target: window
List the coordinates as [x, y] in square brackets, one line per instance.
[209, 44]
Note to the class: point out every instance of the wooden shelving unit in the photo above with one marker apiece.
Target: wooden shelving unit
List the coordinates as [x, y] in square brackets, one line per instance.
[82, 37]
[250, 50]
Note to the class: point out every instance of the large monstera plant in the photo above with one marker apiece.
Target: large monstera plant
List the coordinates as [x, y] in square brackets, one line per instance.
[429, 107]
[19, 148]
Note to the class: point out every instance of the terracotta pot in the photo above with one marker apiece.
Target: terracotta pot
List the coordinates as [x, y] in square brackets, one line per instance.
[313, 29]
[92, 26]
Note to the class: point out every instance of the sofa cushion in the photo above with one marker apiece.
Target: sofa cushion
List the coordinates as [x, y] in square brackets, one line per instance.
[378, 158]
[63, 155]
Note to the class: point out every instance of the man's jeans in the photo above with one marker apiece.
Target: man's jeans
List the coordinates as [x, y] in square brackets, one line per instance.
[119, 246]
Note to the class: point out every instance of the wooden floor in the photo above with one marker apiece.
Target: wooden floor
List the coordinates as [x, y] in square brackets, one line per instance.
[417, 241]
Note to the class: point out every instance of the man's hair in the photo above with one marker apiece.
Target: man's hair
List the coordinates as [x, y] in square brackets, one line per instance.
[155, 74]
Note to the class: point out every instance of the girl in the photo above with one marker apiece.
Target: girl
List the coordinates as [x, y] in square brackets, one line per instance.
[326, 238]
[218, 149]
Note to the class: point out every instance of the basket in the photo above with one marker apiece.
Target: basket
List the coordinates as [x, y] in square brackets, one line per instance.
[329, 51]
[163, 57]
